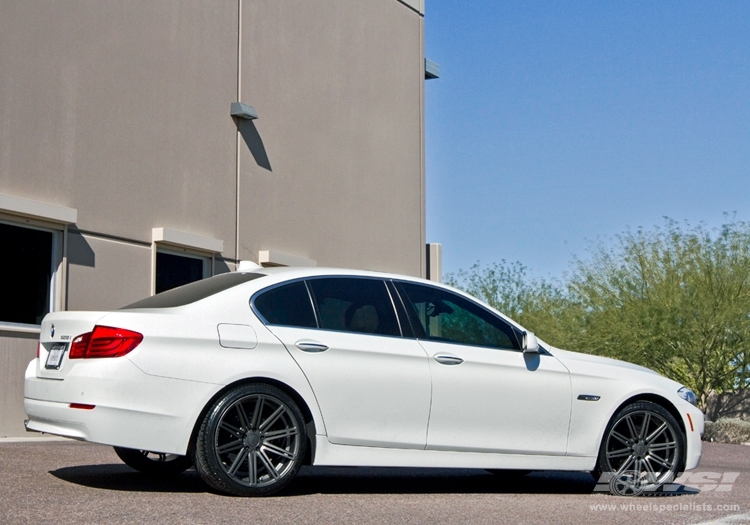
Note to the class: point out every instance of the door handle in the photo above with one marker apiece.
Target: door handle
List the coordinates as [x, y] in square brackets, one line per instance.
[448, 359]
[311, 346]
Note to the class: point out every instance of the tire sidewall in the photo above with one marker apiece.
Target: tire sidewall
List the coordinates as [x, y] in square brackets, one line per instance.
[208, 462]
[602, 466]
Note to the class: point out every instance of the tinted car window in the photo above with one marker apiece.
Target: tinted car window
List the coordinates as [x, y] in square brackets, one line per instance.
[444, 316]
[354, 305]
[193, 292]
[286, 305]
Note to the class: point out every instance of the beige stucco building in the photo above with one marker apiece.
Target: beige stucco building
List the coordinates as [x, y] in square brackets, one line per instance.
[123, 171]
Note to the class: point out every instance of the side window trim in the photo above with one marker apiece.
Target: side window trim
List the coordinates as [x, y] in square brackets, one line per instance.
[405, 321]
[513, 329]
[393, 305]
[311, 296]
[416, 325]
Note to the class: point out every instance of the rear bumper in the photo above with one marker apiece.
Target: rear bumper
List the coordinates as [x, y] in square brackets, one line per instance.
[135, 410]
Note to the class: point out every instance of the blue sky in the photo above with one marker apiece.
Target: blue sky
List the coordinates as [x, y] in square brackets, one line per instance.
[558, 123]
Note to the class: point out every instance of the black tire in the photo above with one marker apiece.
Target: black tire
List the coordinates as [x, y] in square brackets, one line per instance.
[643, 449]
[154, 463]
[251, 442]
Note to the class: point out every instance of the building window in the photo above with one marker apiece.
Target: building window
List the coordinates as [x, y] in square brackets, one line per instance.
[175, 269]
[27, 273]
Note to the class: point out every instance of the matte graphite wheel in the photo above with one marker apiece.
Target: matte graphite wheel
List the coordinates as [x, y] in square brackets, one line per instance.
[154, 463]
[252, 441]
[643, 449]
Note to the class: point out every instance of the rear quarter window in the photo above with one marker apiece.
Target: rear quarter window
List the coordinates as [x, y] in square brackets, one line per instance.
[287, 305]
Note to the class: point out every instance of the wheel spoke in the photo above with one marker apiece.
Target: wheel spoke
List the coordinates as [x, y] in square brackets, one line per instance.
[625, 465]
[644, 427]
[619, 453]
[232, 470]
[257, 413]
[620, 437]
[631, 427]
[230, 447]
[252, 469]
[278, 451]
[244, 423]
[656, 433]
[650, 473]
[272, 418]
[231, 429]
[267, 463]
[660, 447]
[660, 461]
[276, 434]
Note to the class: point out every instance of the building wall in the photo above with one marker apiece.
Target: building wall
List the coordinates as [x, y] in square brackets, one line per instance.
[341, 129]
[101, 262]
[16, 350]
[120, 110]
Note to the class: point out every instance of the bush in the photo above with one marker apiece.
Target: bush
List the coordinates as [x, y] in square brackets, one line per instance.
[727, 430]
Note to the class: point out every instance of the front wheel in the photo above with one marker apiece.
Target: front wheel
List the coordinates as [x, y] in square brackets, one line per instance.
[154, 463]
[643, 449]
[252, 441]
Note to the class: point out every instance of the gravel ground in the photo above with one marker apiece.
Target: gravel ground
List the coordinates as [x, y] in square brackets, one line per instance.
[64, 482]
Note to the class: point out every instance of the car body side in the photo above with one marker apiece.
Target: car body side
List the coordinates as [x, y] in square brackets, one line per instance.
[154, 397]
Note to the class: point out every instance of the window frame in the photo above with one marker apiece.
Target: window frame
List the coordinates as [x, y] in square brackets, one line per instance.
[58, 262]
[517, 332]
[403, 330]
[207, 258]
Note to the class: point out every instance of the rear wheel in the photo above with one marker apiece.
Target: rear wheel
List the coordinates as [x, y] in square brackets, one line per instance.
[252, 441]
[154, 463]
[643, 449]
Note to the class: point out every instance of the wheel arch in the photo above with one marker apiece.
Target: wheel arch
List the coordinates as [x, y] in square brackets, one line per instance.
[288, 390]
[658, 400]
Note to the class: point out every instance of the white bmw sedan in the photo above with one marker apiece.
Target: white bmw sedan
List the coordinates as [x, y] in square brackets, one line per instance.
[249, 375]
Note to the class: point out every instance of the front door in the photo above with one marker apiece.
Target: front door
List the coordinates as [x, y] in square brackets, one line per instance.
[487, 395]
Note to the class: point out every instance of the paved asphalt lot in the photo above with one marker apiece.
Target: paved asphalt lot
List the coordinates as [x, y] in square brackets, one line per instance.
[55, 482]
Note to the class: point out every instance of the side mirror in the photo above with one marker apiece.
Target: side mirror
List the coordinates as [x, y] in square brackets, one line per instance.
[530, 343]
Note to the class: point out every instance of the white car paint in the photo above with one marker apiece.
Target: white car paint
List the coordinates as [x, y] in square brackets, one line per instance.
[373, 400]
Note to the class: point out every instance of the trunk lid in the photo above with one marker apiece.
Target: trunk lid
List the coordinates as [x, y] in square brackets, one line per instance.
[59, 329]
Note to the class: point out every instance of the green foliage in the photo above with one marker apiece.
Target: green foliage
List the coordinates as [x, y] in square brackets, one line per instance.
[674, 299]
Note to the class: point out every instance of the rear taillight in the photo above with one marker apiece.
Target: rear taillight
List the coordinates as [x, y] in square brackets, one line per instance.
[78, 346]
[104, 341]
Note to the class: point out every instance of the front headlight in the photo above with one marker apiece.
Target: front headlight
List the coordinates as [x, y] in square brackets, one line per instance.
[688, 395]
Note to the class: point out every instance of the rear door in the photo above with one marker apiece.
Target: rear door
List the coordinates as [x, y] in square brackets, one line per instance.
[372, 385]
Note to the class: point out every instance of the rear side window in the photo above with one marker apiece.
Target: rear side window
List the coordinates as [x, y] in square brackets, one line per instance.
[354, 305]
[287, 305]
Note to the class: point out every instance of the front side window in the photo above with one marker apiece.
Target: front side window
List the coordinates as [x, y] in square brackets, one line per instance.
[354, 305]
[440, 315]
[173, 270]
[25, 274]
